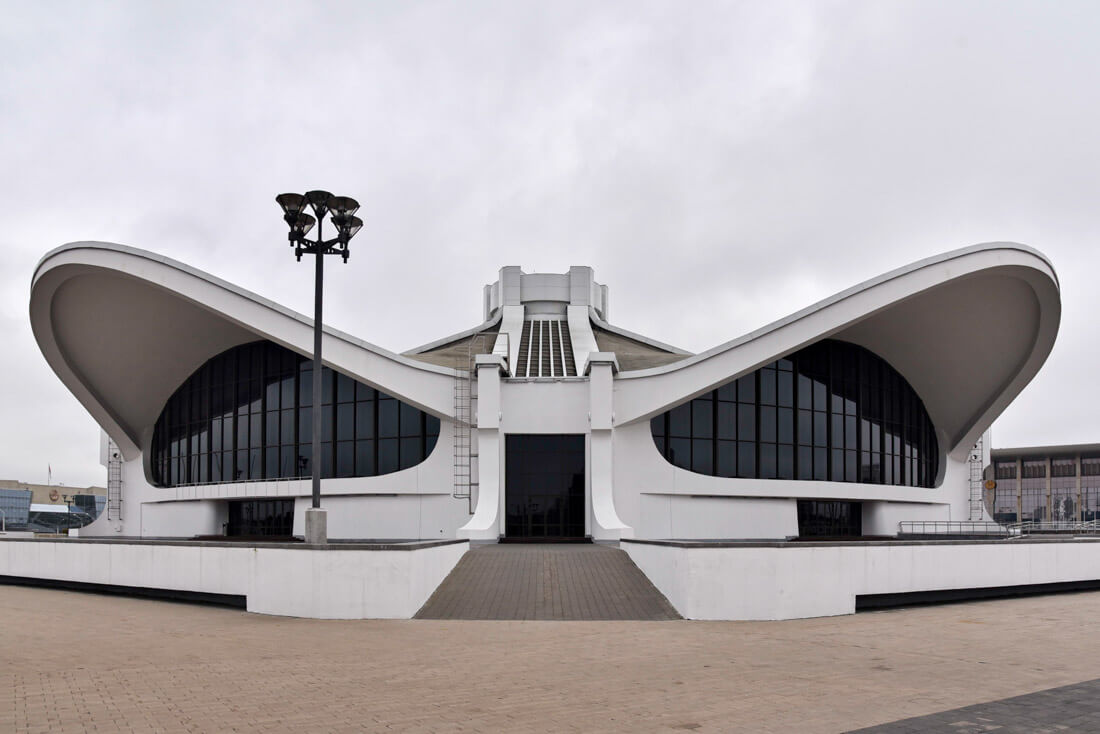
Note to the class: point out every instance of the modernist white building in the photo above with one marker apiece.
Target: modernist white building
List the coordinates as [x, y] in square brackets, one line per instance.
[544, 421]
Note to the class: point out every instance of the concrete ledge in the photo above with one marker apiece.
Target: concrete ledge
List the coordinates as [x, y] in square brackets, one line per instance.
[199, 597]
[792, 544]
[912, 598]
[336, 581]
[767, 581]
[335, 545]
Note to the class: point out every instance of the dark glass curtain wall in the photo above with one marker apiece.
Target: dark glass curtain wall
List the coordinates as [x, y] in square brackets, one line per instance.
[830, 412]
[247, 414]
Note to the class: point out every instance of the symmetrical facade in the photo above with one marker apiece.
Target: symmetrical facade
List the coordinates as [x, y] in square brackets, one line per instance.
[545, 420]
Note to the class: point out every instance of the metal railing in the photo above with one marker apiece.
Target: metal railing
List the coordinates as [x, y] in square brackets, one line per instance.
[1064, 527]
[979, 528]
[245, 480]
[956, 528]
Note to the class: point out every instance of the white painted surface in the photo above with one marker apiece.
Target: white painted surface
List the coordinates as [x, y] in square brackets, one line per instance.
[882, 518]
[819, 581]
[381, 517]
[717, 518]
[544, 406]
[298, 582]
[486, 523]
[581, 334]
[170, 519]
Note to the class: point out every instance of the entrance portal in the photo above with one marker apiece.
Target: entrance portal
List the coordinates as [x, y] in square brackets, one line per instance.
[544, 486]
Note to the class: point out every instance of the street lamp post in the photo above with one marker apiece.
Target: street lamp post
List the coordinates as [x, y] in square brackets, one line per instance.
[341, 211]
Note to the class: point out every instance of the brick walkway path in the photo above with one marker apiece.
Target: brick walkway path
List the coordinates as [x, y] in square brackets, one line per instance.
[566, 581]
[1065, 710]
[72, 662]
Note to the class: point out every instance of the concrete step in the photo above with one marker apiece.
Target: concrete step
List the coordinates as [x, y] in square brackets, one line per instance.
[553, 582]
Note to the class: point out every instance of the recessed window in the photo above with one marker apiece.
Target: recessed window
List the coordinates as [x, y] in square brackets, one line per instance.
[247, 414]
[830, 412]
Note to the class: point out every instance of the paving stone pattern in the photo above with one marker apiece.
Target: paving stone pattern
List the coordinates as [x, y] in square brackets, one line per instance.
[79, 662]
[1066, 710]
[557, 581]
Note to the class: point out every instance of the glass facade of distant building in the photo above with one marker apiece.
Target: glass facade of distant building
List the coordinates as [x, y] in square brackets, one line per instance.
[1059, 485]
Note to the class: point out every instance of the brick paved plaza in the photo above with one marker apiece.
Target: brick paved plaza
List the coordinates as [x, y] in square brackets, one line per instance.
[82, 662]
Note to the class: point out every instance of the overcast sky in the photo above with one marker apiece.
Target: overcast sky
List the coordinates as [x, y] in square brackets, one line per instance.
[720, 165]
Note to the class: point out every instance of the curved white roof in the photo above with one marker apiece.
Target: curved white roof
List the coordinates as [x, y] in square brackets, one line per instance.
[968, 329]
[123, 328]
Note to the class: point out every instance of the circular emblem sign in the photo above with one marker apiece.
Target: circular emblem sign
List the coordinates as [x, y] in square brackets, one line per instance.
[54, 496]
[990, 484]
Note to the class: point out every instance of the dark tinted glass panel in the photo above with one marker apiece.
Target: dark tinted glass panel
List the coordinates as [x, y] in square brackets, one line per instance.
[746, 459]
[544, 486]
[388, 455]
[820, 519]
[746, 389]
[364, 420]
[364, 458]
[767, 461]
[246, 415]
[726, 459]
[832, 411]
[701, 459]
[726, 422]
[345, 422]
[767, 423]
[702, 418]
[345, 459]
[261, 517]
[410, 452]
[746, 422]
[388, 416]
[679, 420]
[767, 386]
[679, 452]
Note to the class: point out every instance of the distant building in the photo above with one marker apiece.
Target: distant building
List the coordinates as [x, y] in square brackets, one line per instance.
[1044, 484]
[54, 494]
[49, 507]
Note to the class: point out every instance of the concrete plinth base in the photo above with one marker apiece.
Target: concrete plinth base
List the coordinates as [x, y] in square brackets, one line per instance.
[316, 525]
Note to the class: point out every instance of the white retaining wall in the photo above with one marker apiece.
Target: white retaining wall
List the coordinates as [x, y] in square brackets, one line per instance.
[298, 582]
[796, 581]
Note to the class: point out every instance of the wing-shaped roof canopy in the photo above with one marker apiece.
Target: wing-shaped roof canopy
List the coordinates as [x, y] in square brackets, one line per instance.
[123, 328]
[968, 329]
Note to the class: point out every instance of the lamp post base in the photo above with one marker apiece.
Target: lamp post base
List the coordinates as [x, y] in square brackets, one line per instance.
[316, 525]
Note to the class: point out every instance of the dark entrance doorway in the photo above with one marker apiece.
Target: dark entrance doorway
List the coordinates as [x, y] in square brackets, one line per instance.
[544, 487]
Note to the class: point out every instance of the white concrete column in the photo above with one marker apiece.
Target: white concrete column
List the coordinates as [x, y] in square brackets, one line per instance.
[486, 523]
[604, 521]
